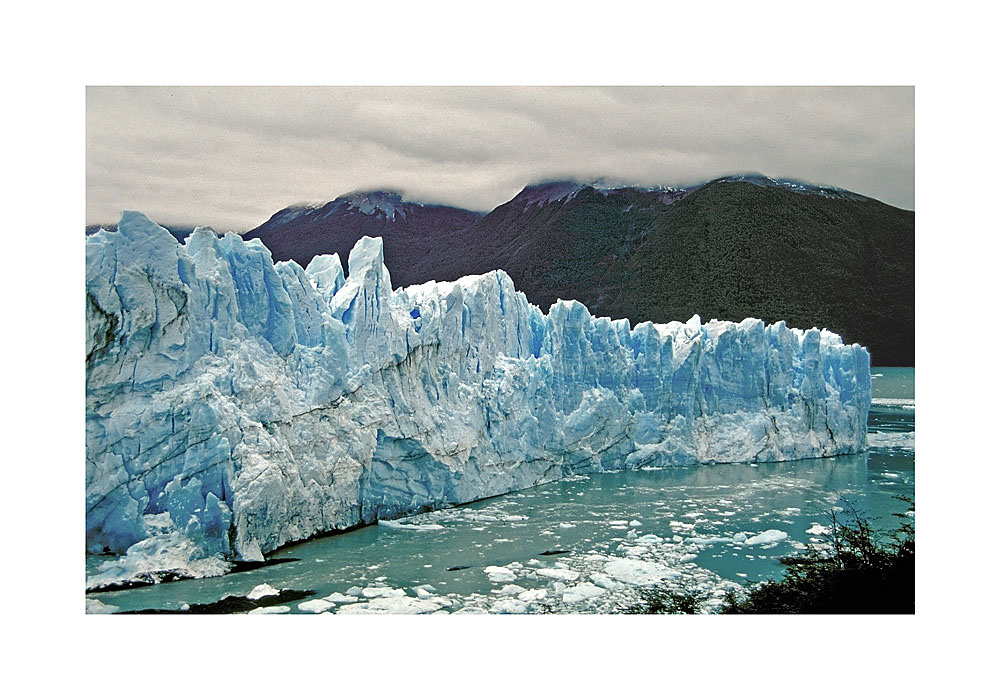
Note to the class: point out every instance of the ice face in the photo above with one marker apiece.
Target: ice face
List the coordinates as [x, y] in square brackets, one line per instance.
[235, 405]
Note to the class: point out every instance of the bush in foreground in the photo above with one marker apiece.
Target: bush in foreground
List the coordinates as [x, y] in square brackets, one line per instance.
[856, 570]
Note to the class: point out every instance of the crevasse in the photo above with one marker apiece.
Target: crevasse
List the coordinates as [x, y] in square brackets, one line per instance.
[235, 405]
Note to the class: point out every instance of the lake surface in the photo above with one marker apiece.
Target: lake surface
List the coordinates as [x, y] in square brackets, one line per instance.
[707, 528]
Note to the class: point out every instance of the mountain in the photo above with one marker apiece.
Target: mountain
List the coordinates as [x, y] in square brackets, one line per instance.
[739, 246]
[735, 247]
[412, 232]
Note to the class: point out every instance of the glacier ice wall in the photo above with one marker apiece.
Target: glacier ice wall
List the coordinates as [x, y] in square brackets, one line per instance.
[235, 405]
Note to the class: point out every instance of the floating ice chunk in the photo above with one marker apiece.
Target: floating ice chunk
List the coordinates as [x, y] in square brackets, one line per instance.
[768, 537]
[508, 606]
[559, 574]
[892, 440]
[632, 552]
[393, 605]
[316, 606]
[341, 598]
[271, 610]
[636, 572]
[512, 589]
[605, 581]
[499, 574]
[818, 529]
[582, 591]
[532, 595]
[710, 540]
[354, 590]
[165, 554]
[904, 404]
[567, 526]
[421, 527]
[96, 607]
[262, 590]
[382, 592]
[649, 539]
[634, 523]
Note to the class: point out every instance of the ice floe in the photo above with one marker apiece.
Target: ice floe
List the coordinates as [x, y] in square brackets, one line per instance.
[316, 606]
[262, 590]
[499, 574]
[559, 574]
[637, 572]
[767, 537]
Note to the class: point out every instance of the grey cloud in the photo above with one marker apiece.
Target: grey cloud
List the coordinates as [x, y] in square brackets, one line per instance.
[230, 157]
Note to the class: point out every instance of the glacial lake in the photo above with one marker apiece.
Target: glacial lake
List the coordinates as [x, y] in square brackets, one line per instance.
[582, 544]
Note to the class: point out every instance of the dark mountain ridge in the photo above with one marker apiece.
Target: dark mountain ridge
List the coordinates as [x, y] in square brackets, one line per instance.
[730, 248]
[411, 232]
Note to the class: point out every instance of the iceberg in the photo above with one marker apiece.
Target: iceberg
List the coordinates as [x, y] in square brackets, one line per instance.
[235, 405]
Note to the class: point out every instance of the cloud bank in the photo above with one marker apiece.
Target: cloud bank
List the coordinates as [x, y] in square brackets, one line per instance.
[230, 157]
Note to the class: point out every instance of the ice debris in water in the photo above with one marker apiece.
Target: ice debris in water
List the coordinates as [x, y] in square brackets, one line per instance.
[270, 610]
[424, 527]
[767, 537]
[262, 590]
[395, 605]
[499, 574]
[637, 572]
[316, 606]
[96, 607]
[341, 598]
[244, 404]
[582, 591]
[559, 574]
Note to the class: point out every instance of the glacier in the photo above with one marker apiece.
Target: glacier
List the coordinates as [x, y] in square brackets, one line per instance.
[235, 405]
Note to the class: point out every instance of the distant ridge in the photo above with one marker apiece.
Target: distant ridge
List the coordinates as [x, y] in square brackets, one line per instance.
[411, 231]
[737, 246]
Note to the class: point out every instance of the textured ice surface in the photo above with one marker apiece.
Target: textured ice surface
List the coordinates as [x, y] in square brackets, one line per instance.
[235, 405]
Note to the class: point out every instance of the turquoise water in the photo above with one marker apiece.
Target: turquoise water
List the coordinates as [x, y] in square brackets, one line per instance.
[892, 383]
[692, 514]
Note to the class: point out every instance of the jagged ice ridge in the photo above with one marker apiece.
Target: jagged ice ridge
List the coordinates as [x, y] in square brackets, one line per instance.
[235, 405]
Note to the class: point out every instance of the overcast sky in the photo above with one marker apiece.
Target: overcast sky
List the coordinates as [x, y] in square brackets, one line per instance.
[231, 157]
